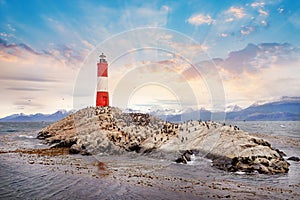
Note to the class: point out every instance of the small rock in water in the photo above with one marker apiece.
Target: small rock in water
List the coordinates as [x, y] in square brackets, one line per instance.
[294, 158]
[181, 159]
[31, 162]
[185, 157]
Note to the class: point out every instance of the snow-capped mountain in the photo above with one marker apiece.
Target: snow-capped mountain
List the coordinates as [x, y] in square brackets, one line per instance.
[169, 111]
[282, 109]
[36, 117]
[285, 108]
[282, 99]
[233, 108]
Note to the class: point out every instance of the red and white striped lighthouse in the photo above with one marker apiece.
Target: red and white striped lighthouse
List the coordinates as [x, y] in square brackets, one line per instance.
[102, 97]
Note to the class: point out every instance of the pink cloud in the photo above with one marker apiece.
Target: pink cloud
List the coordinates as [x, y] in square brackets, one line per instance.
[200, 19]
[247, 30]
[24, 53]
[237, 12]
[258, 4]
[263, 12]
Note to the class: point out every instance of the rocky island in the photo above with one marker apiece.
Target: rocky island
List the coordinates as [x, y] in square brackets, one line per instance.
[107, 130]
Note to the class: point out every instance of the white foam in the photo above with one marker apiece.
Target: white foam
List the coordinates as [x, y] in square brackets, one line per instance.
[240, 173]
[27, 136]
[193, 157]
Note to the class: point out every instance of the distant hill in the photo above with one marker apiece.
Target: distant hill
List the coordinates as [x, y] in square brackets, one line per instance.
[285, 109]
[36, 117]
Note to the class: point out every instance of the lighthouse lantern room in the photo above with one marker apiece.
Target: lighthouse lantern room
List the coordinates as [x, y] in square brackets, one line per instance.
[102, 97]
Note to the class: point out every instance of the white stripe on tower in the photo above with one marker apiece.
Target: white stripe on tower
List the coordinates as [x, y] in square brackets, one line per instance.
[102, 83]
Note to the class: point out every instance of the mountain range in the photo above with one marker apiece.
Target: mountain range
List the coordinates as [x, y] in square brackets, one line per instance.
[284, 109]
[36, 117]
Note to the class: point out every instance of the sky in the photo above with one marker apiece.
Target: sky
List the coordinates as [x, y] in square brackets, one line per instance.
[178, 55]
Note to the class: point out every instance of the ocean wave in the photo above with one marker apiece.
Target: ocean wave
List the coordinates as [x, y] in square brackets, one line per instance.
[11, 130]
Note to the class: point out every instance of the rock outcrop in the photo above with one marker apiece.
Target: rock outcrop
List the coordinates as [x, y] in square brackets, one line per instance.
[294, 158]
[109, 130]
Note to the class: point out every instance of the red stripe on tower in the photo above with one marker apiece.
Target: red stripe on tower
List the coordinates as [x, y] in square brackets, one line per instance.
[102, 97]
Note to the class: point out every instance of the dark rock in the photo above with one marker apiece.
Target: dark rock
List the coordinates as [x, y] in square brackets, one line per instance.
[84, 152]
[31, 162]
[185, 157]
[135, 148]
[74, 150]
[181, 159]
[281, 153]
[147, 150]
[254, 164]
[224, 164]
[187, 154]
[263, 169]
[260, 142]
[294, 158]
[63, 143]
[43, 135]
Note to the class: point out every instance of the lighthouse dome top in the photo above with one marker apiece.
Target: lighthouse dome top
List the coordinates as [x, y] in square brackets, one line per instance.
[102, 58]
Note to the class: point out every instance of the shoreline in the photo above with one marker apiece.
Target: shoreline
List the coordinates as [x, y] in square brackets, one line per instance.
[149, 175]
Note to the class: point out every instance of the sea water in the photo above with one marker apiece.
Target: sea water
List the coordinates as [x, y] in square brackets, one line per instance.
[284, 128]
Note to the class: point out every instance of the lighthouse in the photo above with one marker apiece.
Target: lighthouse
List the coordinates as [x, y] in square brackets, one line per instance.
[102, 97]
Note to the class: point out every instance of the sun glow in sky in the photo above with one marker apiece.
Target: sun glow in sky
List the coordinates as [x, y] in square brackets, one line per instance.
[195, 54]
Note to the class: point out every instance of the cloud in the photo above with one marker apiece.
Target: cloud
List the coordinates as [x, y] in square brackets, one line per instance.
[253, 58]
[224, 35]
[132, 16]
[189, 47]
[263, 12]
[254, 72]
[200, 19]
[166, 8]
[62, 53]
[238, 61]
[247, 30]
[55, 24]
[240, 21]
[88, 44]
[231, 19]
[237, 12]
[22, 103]
[6, 35]
[10, 27]
[27, 78]
[264, 23]
[258, 4]
[257, 71]
[45, 75]
[13, 52]
[5, 45]
[280, 10]
[24, 89]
